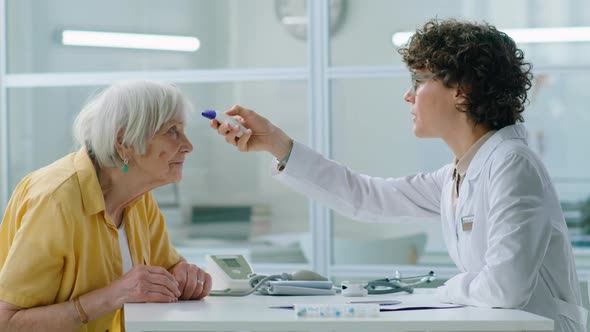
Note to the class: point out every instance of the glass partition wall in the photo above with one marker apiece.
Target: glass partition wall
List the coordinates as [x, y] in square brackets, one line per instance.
[371, 128]
[227, 201]
[327, 72]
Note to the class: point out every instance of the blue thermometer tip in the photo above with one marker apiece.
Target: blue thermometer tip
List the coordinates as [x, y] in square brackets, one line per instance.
[209, 114]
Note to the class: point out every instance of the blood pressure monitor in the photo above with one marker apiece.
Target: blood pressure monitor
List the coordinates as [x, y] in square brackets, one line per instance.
[229, 272]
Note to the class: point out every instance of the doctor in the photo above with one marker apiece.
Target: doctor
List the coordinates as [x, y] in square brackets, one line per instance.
[500, 214]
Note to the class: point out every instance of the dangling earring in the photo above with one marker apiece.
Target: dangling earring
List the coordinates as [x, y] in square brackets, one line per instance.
[125, 168]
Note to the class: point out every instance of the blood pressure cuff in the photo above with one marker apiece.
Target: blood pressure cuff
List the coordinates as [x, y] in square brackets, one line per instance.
[297, 287]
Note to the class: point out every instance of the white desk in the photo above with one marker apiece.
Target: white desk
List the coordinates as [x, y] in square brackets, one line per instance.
[252, 313]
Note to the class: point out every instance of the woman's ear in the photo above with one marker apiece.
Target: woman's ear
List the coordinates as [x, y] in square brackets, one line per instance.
[460, 94]
[461, 99]
[122, 150]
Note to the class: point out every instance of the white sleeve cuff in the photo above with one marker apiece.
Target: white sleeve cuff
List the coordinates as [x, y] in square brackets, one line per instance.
[299, 162]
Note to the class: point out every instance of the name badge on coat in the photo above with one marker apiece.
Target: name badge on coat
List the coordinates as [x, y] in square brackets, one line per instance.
[467, 222]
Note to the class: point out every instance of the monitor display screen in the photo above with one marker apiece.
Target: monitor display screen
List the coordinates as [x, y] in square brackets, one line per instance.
[231, 262]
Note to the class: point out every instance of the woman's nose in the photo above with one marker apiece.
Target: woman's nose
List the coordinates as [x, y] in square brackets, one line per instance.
[187, 146]
[409, 95]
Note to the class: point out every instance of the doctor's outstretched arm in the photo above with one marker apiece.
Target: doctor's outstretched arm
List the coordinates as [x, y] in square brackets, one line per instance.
[355, 195]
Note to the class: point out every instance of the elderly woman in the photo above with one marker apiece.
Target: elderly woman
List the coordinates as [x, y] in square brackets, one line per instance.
[84, 235]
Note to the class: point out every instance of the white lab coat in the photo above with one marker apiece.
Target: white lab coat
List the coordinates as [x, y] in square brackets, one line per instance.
[517, 254]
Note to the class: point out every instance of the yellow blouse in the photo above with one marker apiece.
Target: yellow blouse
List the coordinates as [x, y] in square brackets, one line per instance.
[57, 243]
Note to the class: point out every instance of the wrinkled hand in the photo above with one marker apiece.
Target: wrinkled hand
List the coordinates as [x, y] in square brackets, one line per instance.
[146, 284]
[193, 282]
[261, 135]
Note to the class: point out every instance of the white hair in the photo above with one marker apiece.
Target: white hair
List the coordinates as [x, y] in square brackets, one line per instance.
[137, 107]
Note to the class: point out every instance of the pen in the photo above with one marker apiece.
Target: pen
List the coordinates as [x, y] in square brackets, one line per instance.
[380, 302]
[223, 118]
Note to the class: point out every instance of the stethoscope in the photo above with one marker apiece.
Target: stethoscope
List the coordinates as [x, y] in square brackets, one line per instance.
[398, 283]
[389, 285]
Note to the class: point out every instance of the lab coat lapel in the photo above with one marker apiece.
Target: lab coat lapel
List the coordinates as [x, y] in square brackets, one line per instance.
[449, 225]
[469, 242]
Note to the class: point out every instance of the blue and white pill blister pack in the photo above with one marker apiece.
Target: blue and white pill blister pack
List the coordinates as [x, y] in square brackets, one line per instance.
[337, 310]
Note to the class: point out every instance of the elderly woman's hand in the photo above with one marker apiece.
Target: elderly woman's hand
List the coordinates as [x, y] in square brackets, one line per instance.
[146, 284]
[193, 282]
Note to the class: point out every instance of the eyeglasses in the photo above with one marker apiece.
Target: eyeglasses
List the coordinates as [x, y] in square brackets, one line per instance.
[416, 78]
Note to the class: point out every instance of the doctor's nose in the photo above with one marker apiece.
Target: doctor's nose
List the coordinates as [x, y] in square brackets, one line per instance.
[409, 95]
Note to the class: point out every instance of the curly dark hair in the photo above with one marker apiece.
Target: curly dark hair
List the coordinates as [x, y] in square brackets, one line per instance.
[483, 62]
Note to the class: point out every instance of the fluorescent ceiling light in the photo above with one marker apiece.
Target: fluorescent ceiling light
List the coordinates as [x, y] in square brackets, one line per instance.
[130, 40]
[550, 35]
[401, 38]
[525, 36]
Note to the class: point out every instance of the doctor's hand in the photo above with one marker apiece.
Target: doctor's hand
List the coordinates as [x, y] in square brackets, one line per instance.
[261, 135]
[193, 282]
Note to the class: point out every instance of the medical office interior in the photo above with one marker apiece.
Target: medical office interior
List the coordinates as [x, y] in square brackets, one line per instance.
[338, 89]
